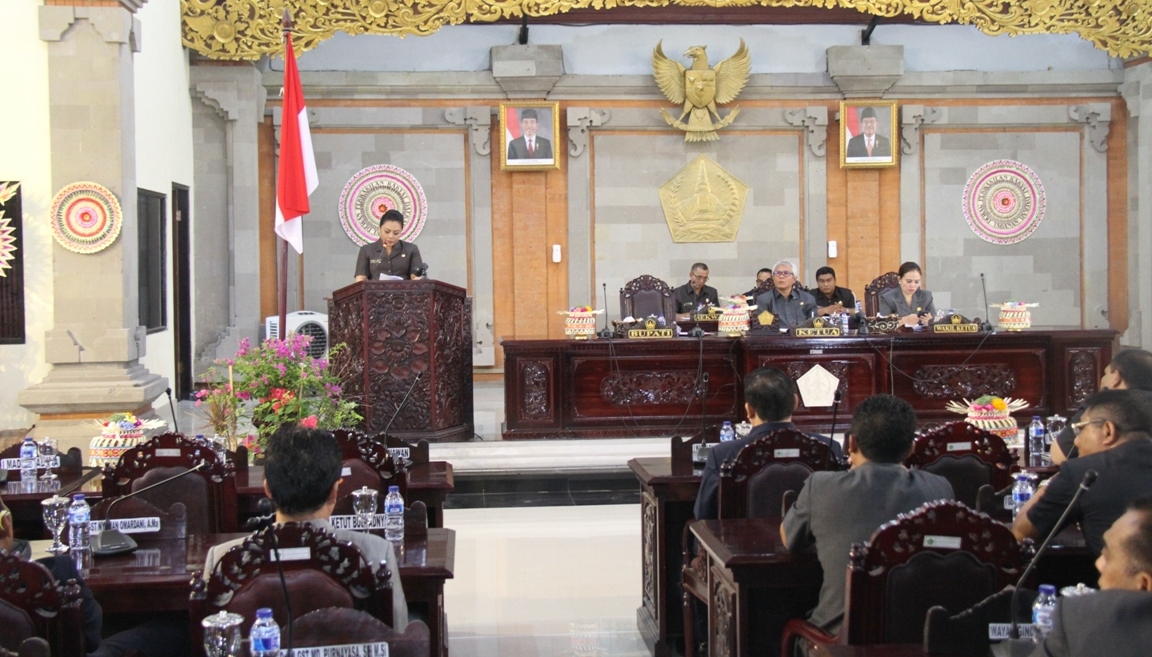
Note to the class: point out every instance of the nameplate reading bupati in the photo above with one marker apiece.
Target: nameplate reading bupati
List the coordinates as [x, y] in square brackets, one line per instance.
[645, 333]
[125, 525]
[379, 649]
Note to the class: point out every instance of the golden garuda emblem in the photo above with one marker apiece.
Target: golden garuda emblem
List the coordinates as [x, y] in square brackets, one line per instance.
[701, 89]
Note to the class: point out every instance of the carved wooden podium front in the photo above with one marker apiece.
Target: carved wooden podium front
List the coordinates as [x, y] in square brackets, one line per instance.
[396, 331]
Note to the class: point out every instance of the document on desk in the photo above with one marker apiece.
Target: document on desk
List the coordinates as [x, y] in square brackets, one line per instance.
[386, 277]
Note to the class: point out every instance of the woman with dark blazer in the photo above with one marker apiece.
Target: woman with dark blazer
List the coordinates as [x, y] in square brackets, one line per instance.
[908, 301]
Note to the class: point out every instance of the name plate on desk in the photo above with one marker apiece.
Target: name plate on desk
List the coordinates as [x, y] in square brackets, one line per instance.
[644, 333]
[352, 523]
[825, 332]
[399, 452]
[379, 649]
[706, 317]
[955, 328]
[41, 463]
[125, 525]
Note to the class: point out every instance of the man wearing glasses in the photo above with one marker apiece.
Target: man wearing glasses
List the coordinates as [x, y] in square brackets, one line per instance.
[1113, 439]
[790, 305]
[694, 296]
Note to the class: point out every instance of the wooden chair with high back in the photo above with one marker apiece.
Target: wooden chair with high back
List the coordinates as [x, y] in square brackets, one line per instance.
[208, 495]
[327, 573]
[754, 485]
[367, 462]
[34, 604]
[647, 295]
[942, 554]
[873, 290]
[335, 626]
[967, 456]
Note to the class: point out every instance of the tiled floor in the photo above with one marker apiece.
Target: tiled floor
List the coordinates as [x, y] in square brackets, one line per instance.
[545, 581]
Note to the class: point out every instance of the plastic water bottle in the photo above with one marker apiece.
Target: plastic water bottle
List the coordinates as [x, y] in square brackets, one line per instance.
[79, 516]
[727, 432]
[265, 637]
[1042, 611]
[1036, 452]
[1021, 493]
[28, 454]
[844, 323]
[394, 515]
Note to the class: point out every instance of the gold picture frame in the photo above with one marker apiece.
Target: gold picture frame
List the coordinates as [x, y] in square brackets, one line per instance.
[515, 154]
[853, 141]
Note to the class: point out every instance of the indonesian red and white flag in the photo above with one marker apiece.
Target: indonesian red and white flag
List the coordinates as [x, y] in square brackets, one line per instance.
[296, 178]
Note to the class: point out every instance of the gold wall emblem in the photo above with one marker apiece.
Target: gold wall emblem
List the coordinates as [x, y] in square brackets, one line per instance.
[700, 89]
[703, 202]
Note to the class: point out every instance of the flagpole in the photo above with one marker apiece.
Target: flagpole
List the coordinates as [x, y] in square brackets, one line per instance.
[286, 27]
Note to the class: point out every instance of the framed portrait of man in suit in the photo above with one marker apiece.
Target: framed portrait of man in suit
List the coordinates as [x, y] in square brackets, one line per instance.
[531, 136]
[868, 136]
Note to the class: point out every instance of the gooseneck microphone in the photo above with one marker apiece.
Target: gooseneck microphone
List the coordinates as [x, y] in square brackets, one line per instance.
[172, 407]
[832, 432]
[987, 325]
[605, 332]
[1085, 484]
[403, 401]
[112, 541]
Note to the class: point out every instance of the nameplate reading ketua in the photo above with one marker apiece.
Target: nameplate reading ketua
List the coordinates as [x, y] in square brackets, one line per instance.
[379, 649]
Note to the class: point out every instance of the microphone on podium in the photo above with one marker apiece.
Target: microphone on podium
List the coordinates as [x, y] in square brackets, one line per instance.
[403, 401]
[422, 270]
[112, 541]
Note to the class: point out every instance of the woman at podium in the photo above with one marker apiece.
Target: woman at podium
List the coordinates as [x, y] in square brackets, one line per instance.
[391, 256]
[909, 302]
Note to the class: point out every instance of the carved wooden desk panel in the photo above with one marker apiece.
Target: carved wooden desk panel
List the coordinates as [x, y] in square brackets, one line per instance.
[587, 389]
[666, 501]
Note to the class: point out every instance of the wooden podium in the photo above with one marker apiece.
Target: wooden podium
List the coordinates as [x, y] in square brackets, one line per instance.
[396, 331]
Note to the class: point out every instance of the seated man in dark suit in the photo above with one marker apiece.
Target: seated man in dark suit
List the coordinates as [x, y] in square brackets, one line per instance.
[769, 399]
[790, 305]
[836, 509]
[1113, 439]
[1117, 621]
[694, 296]
[1130, 369]
[152, 638]
[302, 476]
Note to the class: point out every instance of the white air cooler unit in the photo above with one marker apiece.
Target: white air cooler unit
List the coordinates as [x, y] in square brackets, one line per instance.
[303, 322]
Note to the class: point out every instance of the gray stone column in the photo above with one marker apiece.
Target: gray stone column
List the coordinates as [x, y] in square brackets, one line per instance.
[1137, 91]
[96, 342]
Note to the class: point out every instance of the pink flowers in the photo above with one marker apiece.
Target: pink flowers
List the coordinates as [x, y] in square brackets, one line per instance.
[309, 422]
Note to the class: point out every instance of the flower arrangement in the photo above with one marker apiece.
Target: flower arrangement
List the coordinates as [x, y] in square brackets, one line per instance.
[275, 383]
[987, 404]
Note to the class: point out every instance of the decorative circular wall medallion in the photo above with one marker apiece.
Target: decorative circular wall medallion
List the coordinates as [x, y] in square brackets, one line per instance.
[86, 217]
[1004, 202]
[375, 190]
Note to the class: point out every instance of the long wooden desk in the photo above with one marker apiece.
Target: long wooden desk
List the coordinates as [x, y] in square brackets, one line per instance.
[156, 577]
[427, 482]
[619, 388]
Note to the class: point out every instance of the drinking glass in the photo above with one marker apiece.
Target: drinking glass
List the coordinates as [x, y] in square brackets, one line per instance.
[222, 634]
[1056, 424]
[55, 519]
[49, 449]
[364, 504]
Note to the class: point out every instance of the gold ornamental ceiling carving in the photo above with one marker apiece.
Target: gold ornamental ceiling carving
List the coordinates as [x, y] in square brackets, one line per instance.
[249, 29]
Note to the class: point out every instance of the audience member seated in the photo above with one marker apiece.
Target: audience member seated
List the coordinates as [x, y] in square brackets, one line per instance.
[153, 638]
[763, 276]
[836, 509]
[302, 477]
[1130, 369]
[769, 399]
[695, 296]
[788, 303]
[909, 302]
[1113, 439]
[831, 298]
[1116, 620]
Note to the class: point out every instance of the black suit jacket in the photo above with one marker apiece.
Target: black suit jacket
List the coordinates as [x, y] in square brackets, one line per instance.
[708, 497]
[518, 149]
[1114, 623]
[856, 147]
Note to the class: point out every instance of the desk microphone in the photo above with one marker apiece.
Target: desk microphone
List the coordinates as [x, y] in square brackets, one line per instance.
[403, 401]
[832, 433]
[422, 270]
[605, 332]
[1085, 484]
[112, 541]
[987, 325]
[172, 408]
